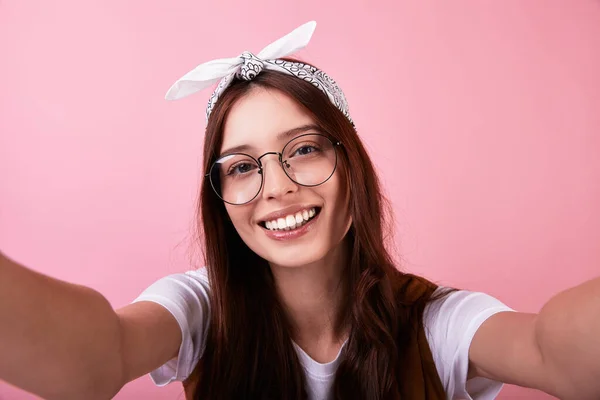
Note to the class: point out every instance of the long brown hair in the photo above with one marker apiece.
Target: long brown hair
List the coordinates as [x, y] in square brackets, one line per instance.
[249, 352]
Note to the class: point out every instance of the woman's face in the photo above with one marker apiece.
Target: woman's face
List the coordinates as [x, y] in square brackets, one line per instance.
[279, 224]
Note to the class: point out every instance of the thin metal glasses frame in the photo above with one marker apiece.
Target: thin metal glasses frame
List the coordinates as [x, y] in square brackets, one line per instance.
[281, 163]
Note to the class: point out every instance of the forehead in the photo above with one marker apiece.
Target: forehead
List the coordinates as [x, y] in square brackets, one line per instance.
[256, 119]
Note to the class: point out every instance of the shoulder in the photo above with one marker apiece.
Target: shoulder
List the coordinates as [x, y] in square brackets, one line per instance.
[447, 320]
[460, 309]
[441, 305]
[450, 322]
[192, 279]
[186, 295]
[412, 290]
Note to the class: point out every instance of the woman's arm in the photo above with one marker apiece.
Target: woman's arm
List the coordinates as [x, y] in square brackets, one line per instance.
[557, 350]
[64, 341]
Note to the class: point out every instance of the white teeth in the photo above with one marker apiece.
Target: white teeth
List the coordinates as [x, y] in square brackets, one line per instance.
[291, 221]
[281, 223]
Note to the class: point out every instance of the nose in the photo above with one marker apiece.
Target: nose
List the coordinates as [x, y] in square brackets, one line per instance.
[276, 182]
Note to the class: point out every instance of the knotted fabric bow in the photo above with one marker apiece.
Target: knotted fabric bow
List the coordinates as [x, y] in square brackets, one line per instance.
[247, 66]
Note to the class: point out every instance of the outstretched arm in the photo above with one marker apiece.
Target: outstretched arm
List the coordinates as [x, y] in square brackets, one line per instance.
[64, 341]
[557, 350]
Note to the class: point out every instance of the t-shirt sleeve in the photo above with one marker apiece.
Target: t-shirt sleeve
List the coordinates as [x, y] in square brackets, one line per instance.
[450, 324]
[186, 296]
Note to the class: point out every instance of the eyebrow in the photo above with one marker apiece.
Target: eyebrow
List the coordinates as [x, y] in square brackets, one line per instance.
[280, 136]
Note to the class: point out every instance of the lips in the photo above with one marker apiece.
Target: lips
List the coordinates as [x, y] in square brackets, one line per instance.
[283, 235]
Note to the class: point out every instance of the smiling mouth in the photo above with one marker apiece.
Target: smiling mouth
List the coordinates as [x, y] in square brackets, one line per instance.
[292, 221]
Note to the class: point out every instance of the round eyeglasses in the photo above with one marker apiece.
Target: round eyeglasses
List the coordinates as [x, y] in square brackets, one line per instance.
[308, 160]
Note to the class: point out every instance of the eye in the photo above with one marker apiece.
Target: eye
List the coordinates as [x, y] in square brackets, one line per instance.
[305, 150]
[241, 168]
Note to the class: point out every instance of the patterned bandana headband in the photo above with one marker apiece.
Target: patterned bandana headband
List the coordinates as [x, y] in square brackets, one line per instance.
[247, 66]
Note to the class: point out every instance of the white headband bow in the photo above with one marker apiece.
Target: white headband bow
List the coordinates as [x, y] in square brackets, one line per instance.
[248, 65]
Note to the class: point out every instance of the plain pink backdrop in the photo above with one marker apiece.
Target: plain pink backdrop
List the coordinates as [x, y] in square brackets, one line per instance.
[483, 118]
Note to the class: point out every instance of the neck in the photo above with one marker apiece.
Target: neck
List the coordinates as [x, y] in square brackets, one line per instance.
[313, 296]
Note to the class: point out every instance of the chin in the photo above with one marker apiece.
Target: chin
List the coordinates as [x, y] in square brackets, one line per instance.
[291, 256]
[295, 257]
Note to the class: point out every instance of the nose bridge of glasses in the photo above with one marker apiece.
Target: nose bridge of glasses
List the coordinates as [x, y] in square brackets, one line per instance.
[260, 162]
[276, 172]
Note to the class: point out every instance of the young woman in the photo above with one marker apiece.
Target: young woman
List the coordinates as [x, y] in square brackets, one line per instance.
[299, 298]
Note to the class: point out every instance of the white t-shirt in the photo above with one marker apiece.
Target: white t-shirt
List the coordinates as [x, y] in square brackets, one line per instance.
[450, 324]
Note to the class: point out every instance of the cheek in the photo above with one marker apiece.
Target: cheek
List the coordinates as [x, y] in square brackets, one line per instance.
[341, 191]
[338, 197]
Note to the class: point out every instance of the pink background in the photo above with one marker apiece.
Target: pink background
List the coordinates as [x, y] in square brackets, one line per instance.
[483, 118]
